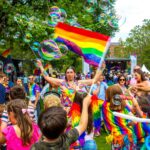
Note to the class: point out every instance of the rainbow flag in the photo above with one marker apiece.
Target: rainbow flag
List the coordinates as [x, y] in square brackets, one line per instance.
[90, 45]
[47, 66]
[6, 53]
[114, 123]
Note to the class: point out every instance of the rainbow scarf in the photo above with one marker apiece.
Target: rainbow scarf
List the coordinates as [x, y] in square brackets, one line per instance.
[90, 45]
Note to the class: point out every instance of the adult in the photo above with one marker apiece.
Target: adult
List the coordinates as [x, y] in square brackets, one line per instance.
[19, 82]
[117, 127]
[34, 93]
[122, 83]
[99, 88]
[2, 89]
[141, 81]
[68, 85]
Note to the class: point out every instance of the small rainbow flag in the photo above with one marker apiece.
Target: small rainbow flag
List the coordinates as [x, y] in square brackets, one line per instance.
[90, 45]
[6, 52]
[47, 66]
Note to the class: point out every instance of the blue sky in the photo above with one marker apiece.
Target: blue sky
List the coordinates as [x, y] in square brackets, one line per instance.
[135, 12]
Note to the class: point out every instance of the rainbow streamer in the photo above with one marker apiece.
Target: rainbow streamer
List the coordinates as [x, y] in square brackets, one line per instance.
[96, 112]
[90, 45]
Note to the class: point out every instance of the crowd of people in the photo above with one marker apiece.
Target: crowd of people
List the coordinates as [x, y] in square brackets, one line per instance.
[68, 113]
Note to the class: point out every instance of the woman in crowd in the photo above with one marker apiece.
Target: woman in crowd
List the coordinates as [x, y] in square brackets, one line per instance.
[118, 127]
[68, 86]
[122, 83]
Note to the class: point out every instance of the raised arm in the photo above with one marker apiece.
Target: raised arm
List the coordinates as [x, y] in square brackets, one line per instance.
[91, 81]
[51, 80]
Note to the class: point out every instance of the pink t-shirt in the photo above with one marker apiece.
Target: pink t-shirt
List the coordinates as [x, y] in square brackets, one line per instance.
[14, 142]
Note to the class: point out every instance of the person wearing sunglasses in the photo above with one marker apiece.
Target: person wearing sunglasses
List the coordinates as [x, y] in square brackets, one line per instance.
[122, 83]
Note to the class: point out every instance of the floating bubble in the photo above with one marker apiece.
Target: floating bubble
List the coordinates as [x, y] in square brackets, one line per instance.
[76, 25]
[63, 15]
[24, 18]
[117, 21]
[16, 35]
[53, 19]
[32, 18]
[36, 46]
[63, 49]
[2, 42]
[90, 6]
[49, 50]
[9, 68]
[17, 17]
[55, 9]
[102, 19]
[30, 25]
[27, 38]
[105, 4]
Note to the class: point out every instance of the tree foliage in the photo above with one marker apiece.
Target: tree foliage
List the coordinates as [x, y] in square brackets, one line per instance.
[138, 43]
[32, 17]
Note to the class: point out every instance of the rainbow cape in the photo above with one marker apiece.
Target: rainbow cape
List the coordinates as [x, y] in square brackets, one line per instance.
[90, 45]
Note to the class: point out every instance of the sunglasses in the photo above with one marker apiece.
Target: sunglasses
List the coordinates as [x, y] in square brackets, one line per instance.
[121, 79]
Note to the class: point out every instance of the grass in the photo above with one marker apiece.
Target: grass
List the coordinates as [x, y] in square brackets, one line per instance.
[101, 141]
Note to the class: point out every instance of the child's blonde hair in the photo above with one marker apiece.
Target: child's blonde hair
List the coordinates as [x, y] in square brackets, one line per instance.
[51, 100]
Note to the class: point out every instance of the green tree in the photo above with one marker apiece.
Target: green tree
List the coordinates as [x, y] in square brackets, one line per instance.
[21, 17]
[138, 43]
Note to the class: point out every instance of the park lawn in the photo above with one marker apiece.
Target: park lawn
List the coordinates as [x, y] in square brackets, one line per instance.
[101, 142]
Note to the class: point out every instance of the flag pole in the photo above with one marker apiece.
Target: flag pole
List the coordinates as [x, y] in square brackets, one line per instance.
[100, 65]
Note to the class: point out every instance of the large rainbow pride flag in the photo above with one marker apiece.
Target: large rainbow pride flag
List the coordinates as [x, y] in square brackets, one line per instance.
[90, 45]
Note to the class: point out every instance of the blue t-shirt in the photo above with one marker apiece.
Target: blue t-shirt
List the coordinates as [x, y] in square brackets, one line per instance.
[2, 94]
[103, 87]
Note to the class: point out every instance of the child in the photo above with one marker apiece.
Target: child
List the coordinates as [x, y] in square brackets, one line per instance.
[22, 133]
[75, 112]
[16, 92]
[51, 99]
[52, 123]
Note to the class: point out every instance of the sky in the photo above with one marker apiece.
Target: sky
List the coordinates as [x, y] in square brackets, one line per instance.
[135, 12]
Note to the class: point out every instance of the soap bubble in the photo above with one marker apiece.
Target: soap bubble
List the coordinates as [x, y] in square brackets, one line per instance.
[27, 38]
